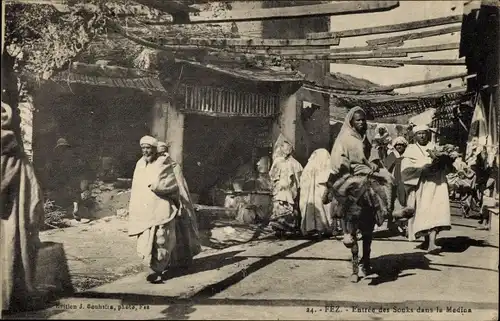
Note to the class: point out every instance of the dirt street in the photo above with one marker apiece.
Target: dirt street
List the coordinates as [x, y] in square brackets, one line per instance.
[304, 279]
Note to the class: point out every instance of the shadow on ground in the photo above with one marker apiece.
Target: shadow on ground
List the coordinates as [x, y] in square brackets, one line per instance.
[459, 244]
[206, 263]
[389, 268]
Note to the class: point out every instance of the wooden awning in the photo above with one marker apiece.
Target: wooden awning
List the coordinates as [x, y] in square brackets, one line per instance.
[259, 75]
[378, 106]
[109, 76]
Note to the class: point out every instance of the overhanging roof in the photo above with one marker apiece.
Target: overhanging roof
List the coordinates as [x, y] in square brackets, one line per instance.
[254, 74]
[146, 83]
[109, 76]
[346, 82]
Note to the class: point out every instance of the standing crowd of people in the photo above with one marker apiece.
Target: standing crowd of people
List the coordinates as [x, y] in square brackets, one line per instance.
[362, 183]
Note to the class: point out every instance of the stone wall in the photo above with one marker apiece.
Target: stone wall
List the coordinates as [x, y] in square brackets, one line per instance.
[311, 132]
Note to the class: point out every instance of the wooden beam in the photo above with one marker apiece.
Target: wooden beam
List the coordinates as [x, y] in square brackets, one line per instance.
[156, 46]
[414, 35]
[311, 57]
[389, 63]
[394, 63]
[333, 90]
[431, 94]
[354, 56]
[313, 10]
[430, 48]
[252, 42]
[432, 62]
[304, 50]
[418, 82]
[324, 57]
[386, 28]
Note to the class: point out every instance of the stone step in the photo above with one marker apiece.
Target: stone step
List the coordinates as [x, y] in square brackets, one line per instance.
[207, 215]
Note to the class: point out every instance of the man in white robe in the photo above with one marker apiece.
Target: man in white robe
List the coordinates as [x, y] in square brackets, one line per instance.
[427, 191]
[155, 210]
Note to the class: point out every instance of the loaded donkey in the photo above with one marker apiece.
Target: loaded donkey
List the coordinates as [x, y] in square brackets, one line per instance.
[361, 190]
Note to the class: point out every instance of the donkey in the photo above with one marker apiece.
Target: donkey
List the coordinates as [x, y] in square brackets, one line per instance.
[361, 202]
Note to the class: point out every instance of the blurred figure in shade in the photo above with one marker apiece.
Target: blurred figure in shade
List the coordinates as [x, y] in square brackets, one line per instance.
[285, 176]
[162, 149]
[381, 141]
[66, 179]
[393, 165]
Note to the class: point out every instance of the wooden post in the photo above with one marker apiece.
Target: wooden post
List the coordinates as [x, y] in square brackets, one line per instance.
[159, 118]
[285, 123]
[175, 132]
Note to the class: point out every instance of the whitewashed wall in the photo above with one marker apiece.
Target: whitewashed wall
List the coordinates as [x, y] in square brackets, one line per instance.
[406, 12]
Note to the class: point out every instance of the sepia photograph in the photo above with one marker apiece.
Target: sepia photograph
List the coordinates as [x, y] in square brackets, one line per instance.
[250, 160]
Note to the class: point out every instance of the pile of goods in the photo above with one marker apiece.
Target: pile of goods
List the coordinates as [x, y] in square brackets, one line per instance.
[443, 155]
[54, 216]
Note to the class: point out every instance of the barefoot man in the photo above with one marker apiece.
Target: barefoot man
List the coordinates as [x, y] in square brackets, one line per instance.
[428, 191]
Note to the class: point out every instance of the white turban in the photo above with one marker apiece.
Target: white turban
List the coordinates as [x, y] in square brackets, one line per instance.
[420, 128]
[399, 140]
[162, 144]
[148, 140]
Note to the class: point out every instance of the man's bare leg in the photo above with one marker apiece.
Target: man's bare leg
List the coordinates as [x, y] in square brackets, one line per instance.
[425, 244]
[433, 248]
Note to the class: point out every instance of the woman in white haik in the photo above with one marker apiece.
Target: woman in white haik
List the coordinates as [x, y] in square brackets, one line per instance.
[316, 218]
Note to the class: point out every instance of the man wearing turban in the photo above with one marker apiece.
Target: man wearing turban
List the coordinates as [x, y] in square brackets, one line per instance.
[163, 148]
[161, 214]
[428, 191]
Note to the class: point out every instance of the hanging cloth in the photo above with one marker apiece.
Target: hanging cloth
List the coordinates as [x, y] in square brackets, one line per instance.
[492, 130]
[477, 133]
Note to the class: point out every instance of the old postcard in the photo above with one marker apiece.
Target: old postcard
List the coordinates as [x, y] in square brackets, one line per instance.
[259, 160]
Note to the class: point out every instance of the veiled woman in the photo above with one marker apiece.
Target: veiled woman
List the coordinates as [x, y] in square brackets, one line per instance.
[316, 218]
[361, 189]
[285, 176]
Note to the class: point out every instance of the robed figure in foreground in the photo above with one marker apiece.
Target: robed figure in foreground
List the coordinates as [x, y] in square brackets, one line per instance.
[161, 214]
[22, 217]
[360, 188]
[360, 193]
